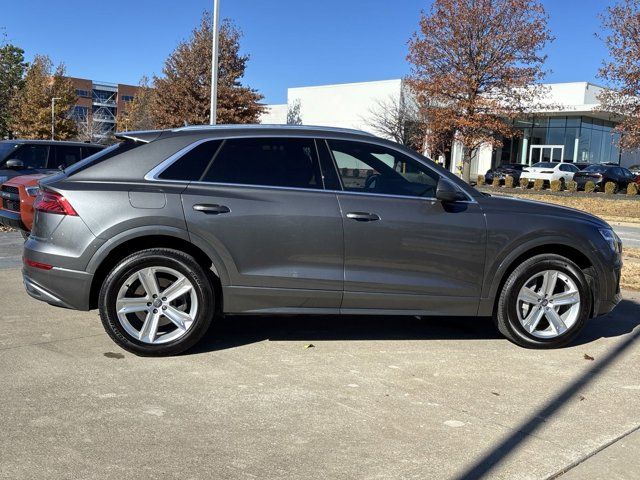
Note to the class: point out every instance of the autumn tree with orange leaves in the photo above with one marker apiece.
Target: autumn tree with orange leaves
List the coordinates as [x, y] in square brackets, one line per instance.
[475, 64]
[622, 69]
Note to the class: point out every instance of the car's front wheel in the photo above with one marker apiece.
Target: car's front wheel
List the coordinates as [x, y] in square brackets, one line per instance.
[544, 303]
[157, 302]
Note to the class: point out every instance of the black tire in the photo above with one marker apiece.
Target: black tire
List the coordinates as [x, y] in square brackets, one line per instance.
[506, 315]
[158, 257]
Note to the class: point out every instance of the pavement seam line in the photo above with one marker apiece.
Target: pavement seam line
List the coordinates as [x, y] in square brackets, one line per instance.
[601, 448]
[48, 342]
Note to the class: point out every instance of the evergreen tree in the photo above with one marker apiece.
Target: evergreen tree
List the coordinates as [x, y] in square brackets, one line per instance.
[12, 68]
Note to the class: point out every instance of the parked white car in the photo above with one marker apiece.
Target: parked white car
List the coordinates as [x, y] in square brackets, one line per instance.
[549, 171]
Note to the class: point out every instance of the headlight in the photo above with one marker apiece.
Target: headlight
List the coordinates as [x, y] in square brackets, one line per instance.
[32, 191]
[612, 239]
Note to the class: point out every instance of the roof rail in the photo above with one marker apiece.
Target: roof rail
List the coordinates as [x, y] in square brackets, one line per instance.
[271, 126]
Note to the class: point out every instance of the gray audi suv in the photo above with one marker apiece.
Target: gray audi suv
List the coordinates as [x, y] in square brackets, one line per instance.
[167, 230]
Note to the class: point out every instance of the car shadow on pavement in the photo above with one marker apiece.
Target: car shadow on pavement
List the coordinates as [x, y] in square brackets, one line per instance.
[235, 331]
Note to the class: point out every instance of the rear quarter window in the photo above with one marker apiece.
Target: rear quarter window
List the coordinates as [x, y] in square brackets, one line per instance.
[192, 164]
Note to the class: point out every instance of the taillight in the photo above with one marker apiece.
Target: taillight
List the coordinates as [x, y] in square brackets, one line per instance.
[52, 202]
[43, 266]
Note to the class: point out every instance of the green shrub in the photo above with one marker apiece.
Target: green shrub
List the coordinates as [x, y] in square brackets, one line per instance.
[508, 181]
[555, 185]
[572, 186]
[538, 184]
[632, 189]
[524, 182]
[496, 182]
[481, 180]
[610, 188]
[589, 187]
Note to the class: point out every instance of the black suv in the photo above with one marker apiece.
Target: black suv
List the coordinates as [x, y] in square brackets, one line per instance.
[24, 157]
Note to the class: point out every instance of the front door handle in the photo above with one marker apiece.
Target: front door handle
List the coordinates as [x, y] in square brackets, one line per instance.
[363, 216]
[211, 209]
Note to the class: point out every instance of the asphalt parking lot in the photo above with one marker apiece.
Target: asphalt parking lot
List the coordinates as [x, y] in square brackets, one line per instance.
[313, 398]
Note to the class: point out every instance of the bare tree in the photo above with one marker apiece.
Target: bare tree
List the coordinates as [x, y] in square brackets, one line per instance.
[293, 113]
[399, 118]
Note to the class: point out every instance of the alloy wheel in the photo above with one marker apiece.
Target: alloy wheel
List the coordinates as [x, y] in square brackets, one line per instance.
[157, 305]
[548, 304]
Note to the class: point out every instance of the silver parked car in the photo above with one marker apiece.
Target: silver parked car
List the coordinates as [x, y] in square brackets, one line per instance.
[167, 229]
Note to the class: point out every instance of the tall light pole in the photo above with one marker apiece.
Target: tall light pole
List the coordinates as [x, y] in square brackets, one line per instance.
[53, 117]
[214, 64]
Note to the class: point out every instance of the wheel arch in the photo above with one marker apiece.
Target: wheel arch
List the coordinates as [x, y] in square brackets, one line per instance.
[510, 263]
[125, 244]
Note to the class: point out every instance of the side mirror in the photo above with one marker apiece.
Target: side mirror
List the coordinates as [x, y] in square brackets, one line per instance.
[446, 191]
[13, 163]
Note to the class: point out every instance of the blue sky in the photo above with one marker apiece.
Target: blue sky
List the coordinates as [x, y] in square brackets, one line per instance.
[291, 42]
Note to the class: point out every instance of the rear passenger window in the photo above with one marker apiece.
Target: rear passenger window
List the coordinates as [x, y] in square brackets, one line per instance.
[65, 156]
[192, 164]
[277, 162]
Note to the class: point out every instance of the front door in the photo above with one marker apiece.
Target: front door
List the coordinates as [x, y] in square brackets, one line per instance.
[405, 252]
[263, 208]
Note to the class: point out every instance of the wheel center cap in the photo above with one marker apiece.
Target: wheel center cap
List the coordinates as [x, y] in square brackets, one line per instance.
[545, 302]
[157, 303]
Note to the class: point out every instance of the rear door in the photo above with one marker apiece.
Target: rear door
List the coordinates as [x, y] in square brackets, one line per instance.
[404, 250]
[261, 204]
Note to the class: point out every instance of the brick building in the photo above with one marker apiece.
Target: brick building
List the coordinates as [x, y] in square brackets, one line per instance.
[98, 105]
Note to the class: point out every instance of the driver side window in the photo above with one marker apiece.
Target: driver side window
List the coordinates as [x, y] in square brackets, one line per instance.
[370, 168]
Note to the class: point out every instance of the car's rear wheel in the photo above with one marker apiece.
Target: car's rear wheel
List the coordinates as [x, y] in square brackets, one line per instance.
[544, 303]
[157, 302]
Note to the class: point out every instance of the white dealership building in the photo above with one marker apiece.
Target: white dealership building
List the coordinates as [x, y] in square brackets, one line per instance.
[568, 126]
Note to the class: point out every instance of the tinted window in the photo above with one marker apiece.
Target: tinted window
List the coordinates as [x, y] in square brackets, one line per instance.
[595, 168]
[192, 164]
[88, 151]
[6, 151]
[33, 156]
[364, 167]
[65, 156]
[278, 162]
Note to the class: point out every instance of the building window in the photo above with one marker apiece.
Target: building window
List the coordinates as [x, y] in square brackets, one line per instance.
[79, 114]
[83, 93]
[104, 96]
[127, 98]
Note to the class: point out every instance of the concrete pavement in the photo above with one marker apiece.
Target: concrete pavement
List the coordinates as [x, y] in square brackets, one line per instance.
[380, 398]
[629, 233]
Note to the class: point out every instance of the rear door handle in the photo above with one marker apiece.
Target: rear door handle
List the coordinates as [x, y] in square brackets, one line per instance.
[363, 216]
[211, 209]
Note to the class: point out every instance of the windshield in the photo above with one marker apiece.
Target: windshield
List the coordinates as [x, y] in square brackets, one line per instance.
[544, 165]
[6, 149]
[595, 168]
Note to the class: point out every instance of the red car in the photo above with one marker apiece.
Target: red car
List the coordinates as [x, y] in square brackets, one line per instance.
[18, 195]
